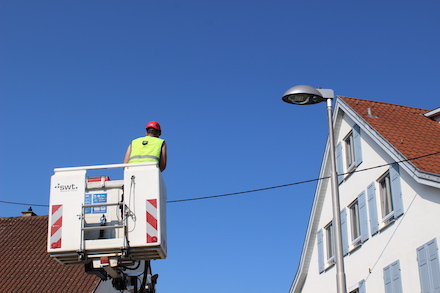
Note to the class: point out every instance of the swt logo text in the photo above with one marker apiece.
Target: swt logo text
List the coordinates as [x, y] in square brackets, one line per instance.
[66, 187]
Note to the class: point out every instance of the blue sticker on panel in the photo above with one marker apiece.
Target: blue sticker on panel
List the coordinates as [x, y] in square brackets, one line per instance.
[95, 199]
[99, 198]
[88, 201]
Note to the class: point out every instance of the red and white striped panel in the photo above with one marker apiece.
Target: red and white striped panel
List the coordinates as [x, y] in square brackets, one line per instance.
[152, 233]
[55, 226]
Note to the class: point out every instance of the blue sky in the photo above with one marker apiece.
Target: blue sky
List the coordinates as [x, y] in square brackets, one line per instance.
[80, 79]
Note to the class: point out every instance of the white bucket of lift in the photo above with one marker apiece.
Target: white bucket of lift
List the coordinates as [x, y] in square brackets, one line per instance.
[90, 219]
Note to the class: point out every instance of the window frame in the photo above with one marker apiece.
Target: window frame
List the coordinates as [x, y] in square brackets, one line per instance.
[386, 197]
[355, 222]
[358, 288]
[350, 160]
[348, 152]
[329, 243]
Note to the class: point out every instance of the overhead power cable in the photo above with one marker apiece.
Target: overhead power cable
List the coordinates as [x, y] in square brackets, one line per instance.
[259, 189]
[296, 183]
[247, 191]
[25, 204]
[388, 164]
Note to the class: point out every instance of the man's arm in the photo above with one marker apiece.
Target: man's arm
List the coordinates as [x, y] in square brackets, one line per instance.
[163, 157]
[127, 154]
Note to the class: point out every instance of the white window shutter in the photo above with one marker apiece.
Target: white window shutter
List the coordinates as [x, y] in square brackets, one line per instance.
[429, 267]
[361, 288]
[339, 163]
[392, 278]
[396, 277]
[372, 207]
[357, 145]
[363, 216]
[434, 264]
[424, 274]
[396, 190]
[387, 279]
[344, 231]
[320, 251]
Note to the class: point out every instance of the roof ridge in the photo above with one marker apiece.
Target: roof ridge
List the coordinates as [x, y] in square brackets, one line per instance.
[383, 103]
[21, 217]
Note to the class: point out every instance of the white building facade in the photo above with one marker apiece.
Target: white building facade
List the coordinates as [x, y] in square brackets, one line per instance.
[390, 203]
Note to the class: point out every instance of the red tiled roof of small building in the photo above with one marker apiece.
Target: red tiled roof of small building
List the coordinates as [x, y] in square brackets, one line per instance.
[27, 267]
[407, 129]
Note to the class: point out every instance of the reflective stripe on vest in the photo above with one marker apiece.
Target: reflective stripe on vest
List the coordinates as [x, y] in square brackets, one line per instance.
[146, 149]
[144, 157]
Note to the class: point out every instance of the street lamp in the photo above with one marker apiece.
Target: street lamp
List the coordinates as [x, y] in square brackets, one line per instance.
[307, 95]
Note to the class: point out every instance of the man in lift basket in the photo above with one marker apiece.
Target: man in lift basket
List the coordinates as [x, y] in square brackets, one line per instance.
[149, 148]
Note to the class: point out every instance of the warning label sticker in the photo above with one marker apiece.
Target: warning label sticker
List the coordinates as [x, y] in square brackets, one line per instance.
[95, 198]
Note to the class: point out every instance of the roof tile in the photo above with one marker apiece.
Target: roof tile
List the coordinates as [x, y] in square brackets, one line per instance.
[26, 265]
[407, 129]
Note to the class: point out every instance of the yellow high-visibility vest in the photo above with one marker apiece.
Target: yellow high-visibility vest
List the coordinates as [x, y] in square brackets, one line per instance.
[146, 149]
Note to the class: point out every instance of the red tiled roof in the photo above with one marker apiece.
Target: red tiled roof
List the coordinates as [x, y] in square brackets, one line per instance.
[406, 128]
[27, 267]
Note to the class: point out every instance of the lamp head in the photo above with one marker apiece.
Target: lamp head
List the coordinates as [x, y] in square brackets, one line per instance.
[303, 95]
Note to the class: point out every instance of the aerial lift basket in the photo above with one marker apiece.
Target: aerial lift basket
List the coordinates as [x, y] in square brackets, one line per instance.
[94, 218]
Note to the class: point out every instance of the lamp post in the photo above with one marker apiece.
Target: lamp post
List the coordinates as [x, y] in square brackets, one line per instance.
[307, 95]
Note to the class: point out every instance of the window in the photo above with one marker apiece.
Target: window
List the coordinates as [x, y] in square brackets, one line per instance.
[329, 240]
[390, 199]
[358, 221]
[429, 266]
[358, 288]
[390, 194]
[349, 150]
[392, 278]
[325, 241]
[386, 201]
[353, 153]
[355, 224]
